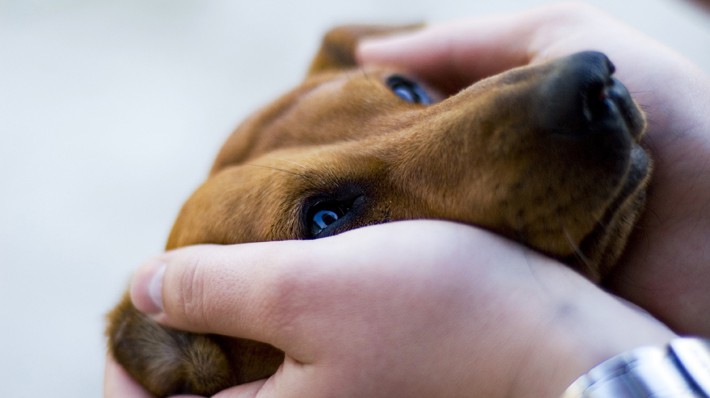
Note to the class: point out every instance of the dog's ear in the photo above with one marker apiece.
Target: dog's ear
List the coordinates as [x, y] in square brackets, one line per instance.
[337, 50]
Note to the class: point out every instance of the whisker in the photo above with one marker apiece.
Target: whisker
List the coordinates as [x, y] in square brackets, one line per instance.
[302, 175]
[583, 260]
[301, 165]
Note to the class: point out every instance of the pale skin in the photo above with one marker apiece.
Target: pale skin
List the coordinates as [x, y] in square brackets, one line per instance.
[429, 308]
[666, 269]
[441, 310]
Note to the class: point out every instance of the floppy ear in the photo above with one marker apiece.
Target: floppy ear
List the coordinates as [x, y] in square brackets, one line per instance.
[337, 50]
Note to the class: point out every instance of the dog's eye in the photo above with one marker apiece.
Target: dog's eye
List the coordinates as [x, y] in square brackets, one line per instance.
[325, 215]
[333, 213]
[408, 90]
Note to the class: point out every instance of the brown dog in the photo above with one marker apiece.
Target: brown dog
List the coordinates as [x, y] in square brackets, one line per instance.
[547, 155]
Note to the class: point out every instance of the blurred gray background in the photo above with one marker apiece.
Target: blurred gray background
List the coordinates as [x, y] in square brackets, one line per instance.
[110, 115]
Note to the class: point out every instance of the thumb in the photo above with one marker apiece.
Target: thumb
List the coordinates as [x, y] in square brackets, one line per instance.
[229, 290]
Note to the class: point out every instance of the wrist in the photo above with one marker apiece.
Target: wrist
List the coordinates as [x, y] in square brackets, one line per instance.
[678, 369]
[585, 326]
[577, 353]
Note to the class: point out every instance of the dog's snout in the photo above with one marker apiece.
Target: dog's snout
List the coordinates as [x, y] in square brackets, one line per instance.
[580, 96]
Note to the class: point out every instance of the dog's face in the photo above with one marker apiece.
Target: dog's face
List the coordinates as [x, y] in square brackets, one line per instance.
[547, 155]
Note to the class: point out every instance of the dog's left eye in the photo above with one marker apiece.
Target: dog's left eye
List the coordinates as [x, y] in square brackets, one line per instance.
[334, 213]
[324, 216]
[408, 90]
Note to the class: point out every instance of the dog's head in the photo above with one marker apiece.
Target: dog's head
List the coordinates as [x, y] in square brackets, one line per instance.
[547, 155]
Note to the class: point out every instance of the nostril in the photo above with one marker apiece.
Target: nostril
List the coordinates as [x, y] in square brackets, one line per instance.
[580, 95]
[610, 65]
[595, 100]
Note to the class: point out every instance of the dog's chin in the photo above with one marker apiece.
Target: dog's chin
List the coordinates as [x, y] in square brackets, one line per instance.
[601, 249]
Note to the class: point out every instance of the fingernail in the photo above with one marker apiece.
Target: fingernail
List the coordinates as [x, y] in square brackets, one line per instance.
[147, 288]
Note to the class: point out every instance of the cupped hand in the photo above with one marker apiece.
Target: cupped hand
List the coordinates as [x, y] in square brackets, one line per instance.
[415, 309]
[666, 269]
[430, 308]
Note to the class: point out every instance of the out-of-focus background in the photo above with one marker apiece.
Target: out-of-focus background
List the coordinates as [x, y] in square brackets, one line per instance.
[110, 114]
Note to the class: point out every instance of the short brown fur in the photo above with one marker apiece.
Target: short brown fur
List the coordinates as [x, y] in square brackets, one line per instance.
[534, 154]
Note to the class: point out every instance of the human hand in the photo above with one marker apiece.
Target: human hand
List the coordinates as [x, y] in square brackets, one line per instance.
[666, 269]
[415, 309]
[119, 384]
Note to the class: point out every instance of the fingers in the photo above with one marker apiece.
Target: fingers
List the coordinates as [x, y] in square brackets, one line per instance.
[454, 55]
[250, 390]
[229, 290]
[337, 306]
[118, 384]
[462, 52]
[283, 292]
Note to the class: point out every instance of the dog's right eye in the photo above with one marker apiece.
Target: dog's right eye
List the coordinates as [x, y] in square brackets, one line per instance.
[408, 90]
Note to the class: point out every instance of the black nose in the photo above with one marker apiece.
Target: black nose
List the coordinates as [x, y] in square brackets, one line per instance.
[579, 96]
